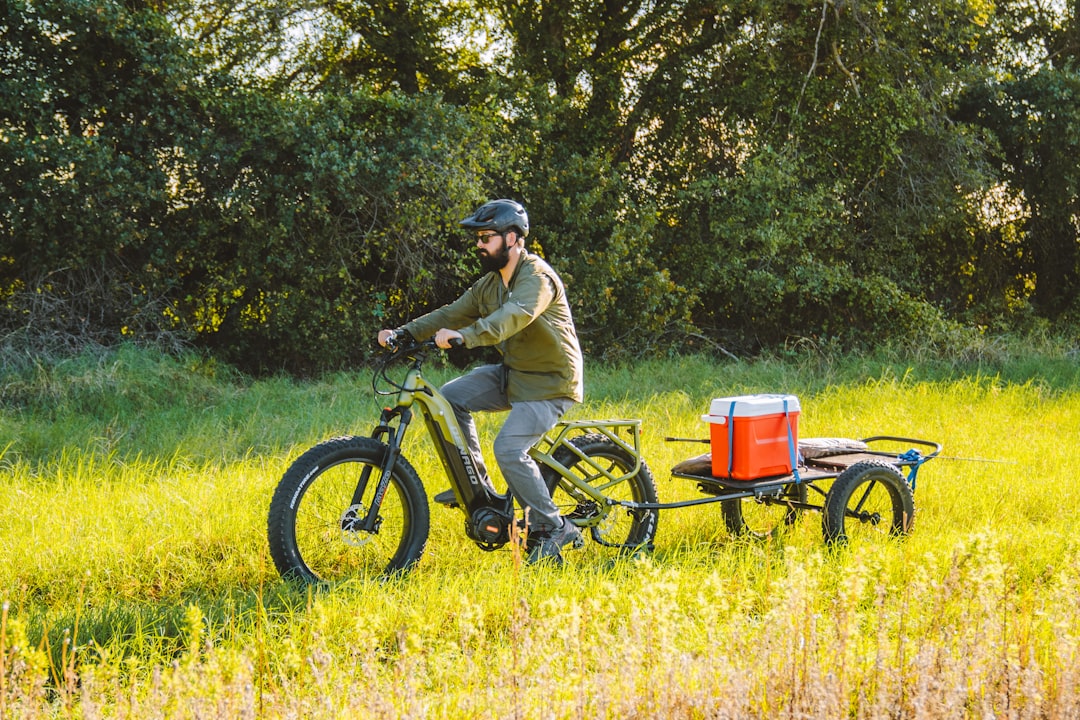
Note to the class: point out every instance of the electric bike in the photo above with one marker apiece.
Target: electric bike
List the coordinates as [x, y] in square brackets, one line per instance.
[354, 506]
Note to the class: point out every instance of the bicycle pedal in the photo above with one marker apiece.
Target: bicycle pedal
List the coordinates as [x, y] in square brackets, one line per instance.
[447, 498]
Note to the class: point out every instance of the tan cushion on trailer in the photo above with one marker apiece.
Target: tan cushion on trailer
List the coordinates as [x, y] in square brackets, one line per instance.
[809, 448]
[700, 465]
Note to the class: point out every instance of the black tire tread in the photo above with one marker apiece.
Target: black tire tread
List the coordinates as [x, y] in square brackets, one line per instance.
[281, 516]
[836, 502]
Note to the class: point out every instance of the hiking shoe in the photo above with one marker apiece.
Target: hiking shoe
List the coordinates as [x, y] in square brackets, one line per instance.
[447, 498]
[548, 545]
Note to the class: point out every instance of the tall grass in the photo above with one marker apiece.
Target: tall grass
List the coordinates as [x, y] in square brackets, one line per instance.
[136, 581]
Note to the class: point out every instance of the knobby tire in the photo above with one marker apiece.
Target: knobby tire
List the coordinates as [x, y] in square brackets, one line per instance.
[870, 498]
[625, 528]
[308, 526]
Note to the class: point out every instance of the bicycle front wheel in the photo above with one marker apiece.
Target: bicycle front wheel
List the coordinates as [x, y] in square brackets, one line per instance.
[609, 525]
[315, 525]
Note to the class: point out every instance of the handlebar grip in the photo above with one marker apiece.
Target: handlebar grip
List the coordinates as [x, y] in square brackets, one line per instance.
[399, 339]
[457, 343]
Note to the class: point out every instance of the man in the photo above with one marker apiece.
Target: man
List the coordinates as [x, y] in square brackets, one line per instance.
[520, 307]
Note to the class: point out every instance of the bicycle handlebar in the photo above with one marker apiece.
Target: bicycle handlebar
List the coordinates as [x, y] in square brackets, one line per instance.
[408, 350]
[394, 343]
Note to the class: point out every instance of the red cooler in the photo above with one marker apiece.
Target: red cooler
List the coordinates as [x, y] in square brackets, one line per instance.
[753, 436]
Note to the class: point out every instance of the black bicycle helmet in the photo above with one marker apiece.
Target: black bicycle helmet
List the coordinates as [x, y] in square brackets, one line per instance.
[500, 216]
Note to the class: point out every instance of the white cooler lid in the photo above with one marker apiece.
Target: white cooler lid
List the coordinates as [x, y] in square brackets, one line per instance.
[750, 406]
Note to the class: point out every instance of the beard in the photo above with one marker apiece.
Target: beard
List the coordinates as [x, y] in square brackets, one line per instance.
[493, 262]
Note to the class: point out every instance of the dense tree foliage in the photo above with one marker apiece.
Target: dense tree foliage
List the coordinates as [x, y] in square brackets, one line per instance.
[278, 180]
[159, 194]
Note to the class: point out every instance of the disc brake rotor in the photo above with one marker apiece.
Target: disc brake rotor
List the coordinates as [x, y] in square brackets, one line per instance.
[351, 532]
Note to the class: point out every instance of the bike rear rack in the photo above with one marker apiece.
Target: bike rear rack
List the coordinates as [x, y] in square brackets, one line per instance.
[561, 434]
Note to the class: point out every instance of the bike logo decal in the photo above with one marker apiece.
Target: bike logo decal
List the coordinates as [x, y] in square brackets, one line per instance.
[467, 461]
[301, 486]
[377, 501]
[455, 432]
[463, 451]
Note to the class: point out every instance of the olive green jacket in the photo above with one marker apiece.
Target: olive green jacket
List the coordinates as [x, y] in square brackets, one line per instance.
[530, 324]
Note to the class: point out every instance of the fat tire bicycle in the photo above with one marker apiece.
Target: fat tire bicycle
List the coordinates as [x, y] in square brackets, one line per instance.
[355, 506]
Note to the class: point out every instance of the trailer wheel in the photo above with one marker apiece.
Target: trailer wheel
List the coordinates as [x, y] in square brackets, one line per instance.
[763, 517]
[869, 499]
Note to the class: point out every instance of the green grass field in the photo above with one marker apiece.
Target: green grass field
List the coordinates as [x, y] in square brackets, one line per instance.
[136, 581]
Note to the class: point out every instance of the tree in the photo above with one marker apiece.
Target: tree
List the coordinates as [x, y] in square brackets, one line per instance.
[101, 105]
[642, 113]
[407, 46]
[145, 190]
[281, 178]
[1033, 111]
[329, 219]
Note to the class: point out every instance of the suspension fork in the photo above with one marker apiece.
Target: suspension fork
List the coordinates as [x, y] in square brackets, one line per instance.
[370, 523]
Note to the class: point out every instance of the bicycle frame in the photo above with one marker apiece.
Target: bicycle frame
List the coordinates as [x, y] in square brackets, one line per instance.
[466, 479]
[471, 487]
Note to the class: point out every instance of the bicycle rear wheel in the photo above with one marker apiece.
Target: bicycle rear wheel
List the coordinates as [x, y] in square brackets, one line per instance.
[314, 520]
[609, 525]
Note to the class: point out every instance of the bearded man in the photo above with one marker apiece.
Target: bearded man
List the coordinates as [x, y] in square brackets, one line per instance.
[519, 306]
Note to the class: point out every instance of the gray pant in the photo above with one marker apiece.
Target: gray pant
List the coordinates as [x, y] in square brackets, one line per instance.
[482, 389]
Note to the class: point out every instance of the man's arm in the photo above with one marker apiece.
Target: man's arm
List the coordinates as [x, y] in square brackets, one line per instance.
[457, 314]
[532, 295]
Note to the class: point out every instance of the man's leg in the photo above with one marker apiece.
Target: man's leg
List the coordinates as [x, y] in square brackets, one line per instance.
[479, 389]
[524, 425]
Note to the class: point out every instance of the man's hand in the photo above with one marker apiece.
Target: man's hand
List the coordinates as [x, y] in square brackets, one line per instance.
[444, 337]
[384, 336]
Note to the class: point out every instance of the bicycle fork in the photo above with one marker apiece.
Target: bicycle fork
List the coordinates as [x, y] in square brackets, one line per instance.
[488, 513]
[370, 522]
